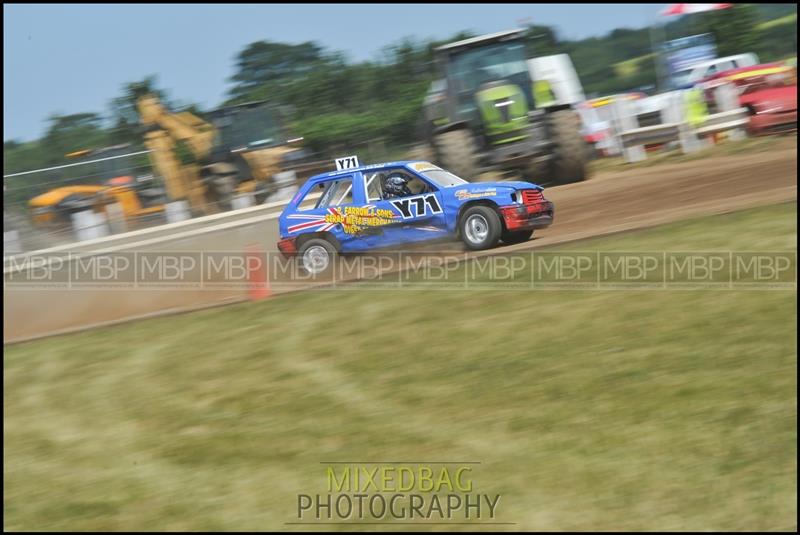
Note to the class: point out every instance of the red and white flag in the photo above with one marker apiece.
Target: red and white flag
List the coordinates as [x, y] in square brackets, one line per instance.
[686, 9]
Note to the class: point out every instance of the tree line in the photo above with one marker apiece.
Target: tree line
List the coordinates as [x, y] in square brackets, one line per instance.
[334, 103]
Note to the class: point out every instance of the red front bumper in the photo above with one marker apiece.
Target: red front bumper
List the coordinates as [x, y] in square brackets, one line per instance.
[528, 216]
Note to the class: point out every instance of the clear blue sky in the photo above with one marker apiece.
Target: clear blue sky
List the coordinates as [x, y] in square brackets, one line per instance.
[74, 58]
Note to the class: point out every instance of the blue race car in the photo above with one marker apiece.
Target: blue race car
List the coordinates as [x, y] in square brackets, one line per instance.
[373, 206]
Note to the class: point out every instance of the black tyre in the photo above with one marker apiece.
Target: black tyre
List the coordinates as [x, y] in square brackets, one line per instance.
[538, 173]
[480, 228]
[456, 151]
[316, 256]
[519, 236]
[569, 151]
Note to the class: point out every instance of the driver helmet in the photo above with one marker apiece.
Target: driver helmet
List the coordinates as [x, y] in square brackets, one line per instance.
[396, 185]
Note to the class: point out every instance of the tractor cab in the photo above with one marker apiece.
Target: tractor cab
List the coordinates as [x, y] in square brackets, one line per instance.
[488, 84]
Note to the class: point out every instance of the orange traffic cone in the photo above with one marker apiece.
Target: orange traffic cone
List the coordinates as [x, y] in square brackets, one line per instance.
[257, 275]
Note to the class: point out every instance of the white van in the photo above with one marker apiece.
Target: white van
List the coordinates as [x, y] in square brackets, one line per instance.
[688, 77]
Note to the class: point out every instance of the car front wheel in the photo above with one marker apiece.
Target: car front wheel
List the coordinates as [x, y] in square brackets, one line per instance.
[480, 228]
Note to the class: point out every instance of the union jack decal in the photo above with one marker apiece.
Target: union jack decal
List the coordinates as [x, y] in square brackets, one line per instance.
[313, 221]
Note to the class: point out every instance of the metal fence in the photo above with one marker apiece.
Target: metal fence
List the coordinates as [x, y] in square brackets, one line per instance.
[669, 120]
[81, 201]
[57, 204]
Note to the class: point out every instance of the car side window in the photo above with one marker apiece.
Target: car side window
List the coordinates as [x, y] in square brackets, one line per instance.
[374, 184]
[417, 186]
[309, 200]
[336, 192]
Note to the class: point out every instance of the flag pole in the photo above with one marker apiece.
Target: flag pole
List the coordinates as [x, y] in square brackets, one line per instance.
[657, 56]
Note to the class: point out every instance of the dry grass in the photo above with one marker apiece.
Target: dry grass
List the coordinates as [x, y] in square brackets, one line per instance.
[589, 410]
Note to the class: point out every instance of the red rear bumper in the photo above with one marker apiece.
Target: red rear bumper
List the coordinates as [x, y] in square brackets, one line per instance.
[288, 247]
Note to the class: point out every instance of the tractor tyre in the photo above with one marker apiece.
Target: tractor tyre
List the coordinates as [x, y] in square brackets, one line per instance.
[569, 151]
[537, 173]
[456, 152]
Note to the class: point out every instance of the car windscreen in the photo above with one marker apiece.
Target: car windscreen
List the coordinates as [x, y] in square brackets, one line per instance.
[443, 178]
[681, 77]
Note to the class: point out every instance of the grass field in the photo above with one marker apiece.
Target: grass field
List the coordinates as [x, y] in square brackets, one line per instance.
[588, 410]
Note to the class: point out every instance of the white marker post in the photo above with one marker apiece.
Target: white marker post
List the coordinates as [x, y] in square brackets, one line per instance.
[177, 211]
[244, 200]
[11, 244]
[287, 186]
[116, 218]
[88, 225]
[727, 100]
[100, 225]
[624, 114]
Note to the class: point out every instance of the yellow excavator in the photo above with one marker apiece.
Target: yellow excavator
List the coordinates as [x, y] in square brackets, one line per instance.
[243, 149]
[112, 182]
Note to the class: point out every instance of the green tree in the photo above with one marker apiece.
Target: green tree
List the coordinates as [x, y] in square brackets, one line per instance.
[268, 64]
[734, 29]
[541, 41]
[124, 114]
[69, 133]
[334, 102]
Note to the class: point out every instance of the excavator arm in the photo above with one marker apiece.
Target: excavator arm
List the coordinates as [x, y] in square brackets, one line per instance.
[165, 131]
[184, 126]
[243, 156]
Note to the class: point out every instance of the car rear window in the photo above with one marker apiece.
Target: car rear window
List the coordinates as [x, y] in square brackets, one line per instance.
[337, 192]
[334, 192]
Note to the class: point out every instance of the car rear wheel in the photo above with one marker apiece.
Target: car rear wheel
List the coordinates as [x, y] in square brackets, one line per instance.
[480, 228]
[317, 256]
[518, 236]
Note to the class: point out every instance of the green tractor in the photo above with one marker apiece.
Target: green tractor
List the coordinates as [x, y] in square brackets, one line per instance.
[486, 113]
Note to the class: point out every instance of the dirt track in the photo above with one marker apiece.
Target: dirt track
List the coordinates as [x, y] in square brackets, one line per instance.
[617, 201]
[607, 203]
[613, 202]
